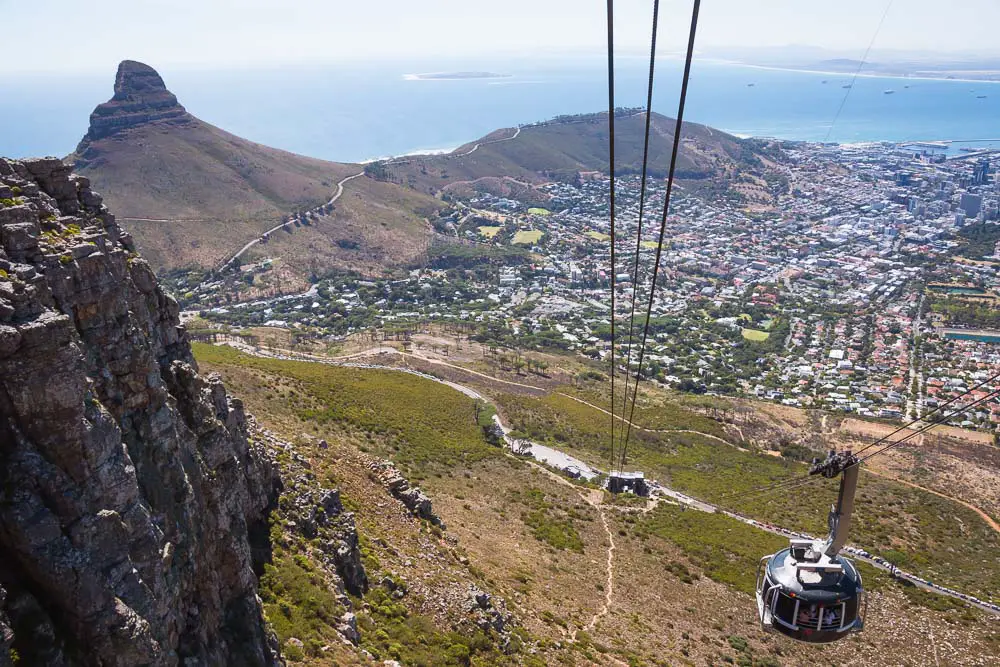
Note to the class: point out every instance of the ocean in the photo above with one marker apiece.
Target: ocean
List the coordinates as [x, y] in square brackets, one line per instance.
[359, 112]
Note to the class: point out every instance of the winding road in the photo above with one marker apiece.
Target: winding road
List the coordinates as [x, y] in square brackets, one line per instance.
[517, 132]
[336, 195]
[340, 191]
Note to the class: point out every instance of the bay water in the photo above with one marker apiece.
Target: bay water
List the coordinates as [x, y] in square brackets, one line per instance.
[358, 111]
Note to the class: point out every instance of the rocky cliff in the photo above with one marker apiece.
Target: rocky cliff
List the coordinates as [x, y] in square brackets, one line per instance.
[133, 507]
[140, 97]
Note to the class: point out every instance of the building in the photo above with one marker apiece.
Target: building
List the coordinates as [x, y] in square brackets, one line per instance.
[971, 204]
[631, 482]
[979, 176]
[509, 277]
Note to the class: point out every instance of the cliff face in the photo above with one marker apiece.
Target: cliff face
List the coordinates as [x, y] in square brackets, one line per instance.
[132, 505]
[140, 97]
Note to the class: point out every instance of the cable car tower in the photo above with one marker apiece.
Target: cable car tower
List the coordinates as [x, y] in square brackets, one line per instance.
[809, 592]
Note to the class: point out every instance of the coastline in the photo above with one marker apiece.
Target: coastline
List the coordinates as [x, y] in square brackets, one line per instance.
[454, 76]
[849, 75]
[415, 153]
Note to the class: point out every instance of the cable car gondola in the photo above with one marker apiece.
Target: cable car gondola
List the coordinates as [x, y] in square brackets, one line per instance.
[808, 591]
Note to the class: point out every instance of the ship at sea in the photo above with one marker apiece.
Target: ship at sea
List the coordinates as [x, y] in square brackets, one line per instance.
[888, 91]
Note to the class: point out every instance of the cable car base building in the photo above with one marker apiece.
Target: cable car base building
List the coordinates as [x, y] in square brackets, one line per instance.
[631, 482]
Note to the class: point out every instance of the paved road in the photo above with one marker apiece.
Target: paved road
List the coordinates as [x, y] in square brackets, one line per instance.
[913, 402]
[340, 191]
[164, 219]
[336, 195]
[517, 131]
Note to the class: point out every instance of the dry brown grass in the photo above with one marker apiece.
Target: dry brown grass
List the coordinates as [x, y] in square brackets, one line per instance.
[215, 188]
[375, 228]
[193, 194]
[484, 511]
[567, 148]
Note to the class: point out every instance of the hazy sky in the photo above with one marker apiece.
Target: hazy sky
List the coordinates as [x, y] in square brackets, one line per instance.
[72, 35]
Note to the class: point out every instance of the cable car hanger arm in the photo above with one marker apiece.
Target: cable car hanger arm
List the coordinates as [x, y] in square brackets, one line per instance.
[846, 465]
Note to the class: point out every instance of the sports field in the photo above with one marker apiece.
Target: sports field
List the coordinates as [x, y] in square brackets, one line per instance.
[528, 237]
[755, 335]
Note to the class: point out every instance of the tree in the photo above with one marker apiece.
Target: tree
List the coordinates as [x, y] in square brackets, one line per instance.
[493, 434]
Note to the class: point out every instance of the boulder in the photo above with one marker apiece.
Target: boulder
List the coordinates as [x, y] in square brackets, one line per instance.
[348, 628]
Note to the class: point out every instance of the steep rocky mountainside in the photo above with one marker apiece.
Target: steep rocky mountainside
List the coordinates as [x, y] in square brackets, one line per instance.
[192, 194]
[588, 579]
[133, 506]
[140, 97]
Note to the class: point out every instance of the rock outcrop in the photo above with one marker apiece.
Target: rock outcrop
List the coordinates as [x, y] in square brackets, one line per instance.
[140, 97]
[132, 504]
[489, 613]
[318, 514]
[412, 497]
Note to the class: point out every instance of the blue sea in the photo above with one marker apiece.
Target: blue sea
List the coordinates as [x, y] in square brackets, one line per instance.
[354, 112]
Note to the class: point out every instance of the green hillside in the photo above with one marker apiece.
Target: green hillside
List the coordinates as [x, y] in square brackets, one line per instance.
[561, 148]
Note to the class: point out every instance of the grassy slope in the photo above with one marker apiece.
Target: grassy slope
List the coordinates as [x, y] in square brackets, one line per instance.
[917, 530]
[681, 577]
[195, 171]
[564, 148]
[220, 191]
[357, 413]
[374, 228]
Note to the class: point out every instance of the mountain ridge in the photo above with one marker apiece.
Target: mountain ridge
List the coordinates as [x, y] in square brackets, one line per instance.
[561, 148]
[192, 193]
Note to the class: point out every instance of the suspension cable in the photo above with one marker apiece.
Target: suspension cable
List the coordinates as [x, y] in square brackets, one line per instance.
[696, 6]
[932, 412]
[921, 431]
[881, 440]
[611, 170]
[642, 203]
[864, 59]
[789, 484]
